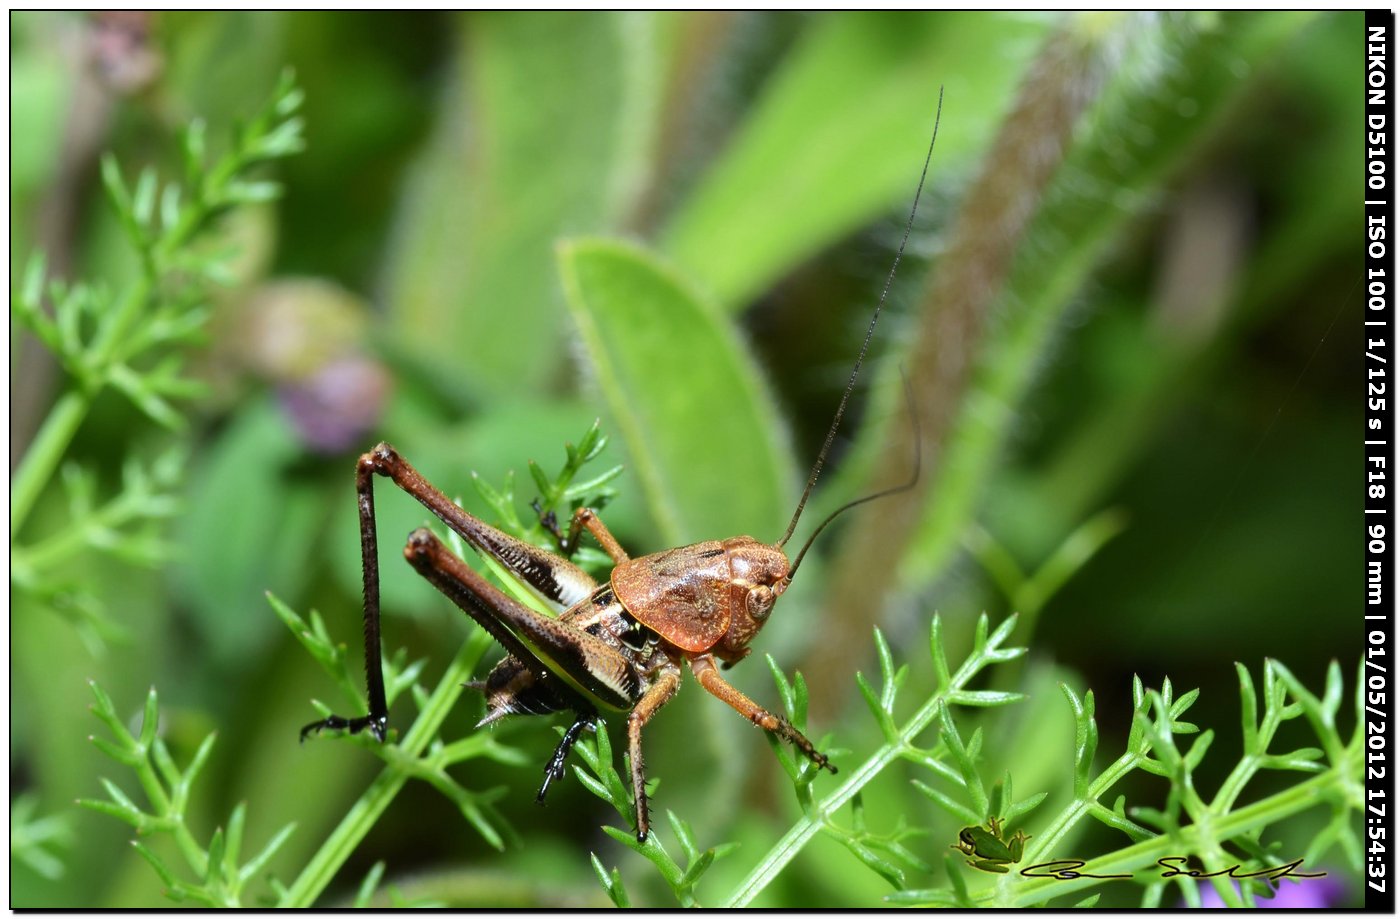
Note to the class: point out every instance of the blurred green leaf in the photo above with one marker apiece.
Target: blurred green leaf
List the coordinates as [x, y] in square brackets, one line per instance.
[835, 137]
[249, 522]
[544, 127]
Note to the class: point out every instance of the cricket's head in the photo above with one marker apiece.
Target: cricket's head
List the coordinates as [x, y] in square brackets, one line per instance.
[758, 575]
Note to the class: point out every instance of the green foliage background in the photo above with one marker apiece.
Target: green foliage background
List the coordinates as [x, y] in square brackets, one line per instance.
[679, 223]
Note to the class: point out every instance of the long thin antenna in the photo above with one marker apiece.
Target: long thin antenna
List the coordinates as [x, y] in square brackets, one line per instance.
[913, 478]
[860, 358]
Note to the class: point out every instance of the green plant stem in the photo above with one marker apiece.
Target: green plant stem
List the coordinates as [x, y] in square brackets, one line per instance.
[47, 449]
[818, 816]
[1081, 807]
[168, 814]
[44, 454]
[807, 827]
[322, 868]
[110, 335]
[193, 852]
[60, 548]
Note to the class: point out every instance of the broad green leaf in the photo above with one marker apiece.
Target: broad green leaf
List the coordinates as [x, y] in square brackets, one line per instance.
[543, 132]
[699, 423]
[838, 136]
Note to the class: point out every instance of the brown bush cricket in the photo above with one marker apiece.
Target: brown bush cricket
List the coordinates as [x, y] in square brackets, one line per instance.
[618, 645]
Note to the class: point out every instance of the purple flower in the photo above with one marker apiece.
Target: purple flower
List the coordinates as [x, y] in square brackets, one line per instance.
[1291, 893]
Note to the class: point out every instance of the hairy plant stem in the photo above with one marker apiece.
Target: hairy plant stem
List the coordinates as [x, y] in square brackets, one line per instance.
[322, 868]
[951, 331]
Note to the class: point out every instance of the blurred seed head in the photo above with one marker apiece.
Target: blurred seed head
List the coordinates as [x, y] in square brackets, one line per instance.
[292, 328]
[121, 51]
[307, 337]
[336, 408]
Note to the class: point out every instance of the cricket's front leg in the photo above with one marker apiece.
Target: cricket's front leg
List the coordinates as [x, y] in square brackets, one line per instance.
[585, 518]
[707, 673]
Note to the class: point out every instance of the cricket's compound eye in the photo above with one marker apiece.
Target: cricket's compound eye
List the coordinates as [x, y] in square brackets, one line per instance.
[760, 602]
